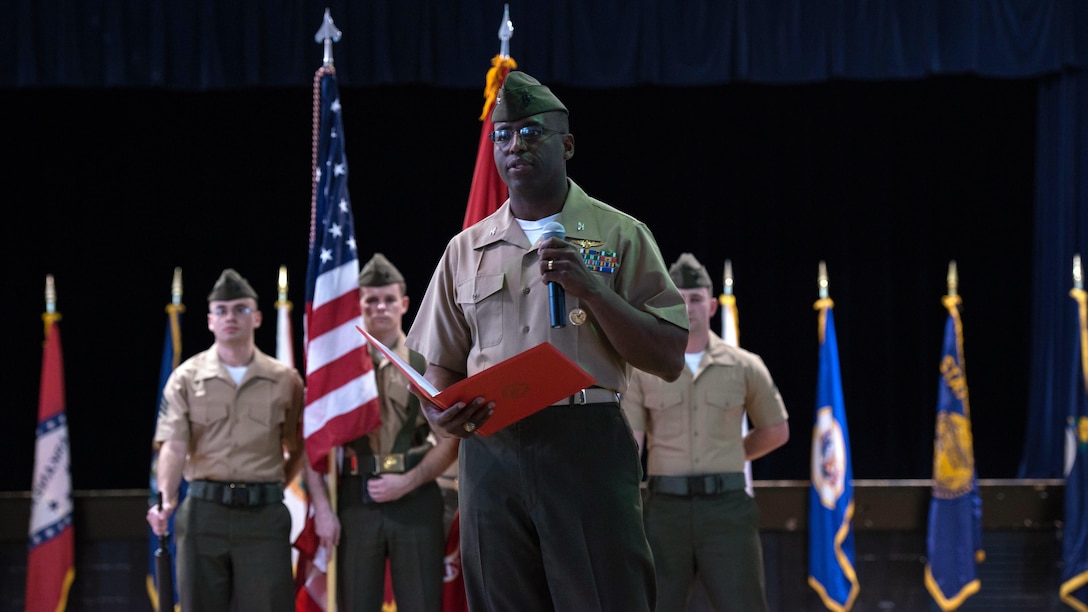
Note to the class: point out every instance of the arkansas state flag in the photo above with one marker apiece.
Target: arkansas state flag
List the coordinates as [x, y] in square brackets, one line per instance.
[51, 558]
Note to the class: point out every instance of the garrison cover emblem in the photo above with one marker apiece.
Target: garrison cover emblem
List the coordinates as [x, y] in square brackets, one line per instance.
[828, 458]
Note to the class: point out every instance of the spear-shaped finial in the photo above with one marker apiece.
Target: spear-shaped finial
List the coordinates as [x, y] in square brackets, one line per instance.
[953, 279]
[506, 31]
[821, 280]
[50, 315]
[1078, 272]
[50, 294]
[282, 284]
[727, 278]
[175, 287]
[327, 34]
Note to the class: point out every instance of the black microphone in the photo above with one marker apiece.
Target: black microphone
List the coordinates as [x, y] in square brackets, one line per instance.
[556, 298]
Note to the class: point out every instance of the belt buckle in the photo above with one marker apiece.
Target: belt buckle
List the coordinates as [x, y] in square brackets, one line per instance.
[697, 486]
[238, 494]
[579, 398]
[393, 462]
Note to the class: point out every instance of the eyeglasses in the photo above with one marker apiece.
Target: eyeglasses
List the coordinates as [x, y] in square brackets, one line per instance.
[528, 133]
[239, 310]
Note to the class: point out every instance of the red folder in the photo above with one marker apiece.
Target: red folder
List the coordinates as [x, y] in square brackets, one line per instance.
[526, 383]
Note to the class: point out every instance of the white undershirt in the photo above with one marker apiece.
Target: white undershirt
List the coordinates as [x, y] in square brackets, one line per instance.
[236, 372]
[693, 360]
[533, 229]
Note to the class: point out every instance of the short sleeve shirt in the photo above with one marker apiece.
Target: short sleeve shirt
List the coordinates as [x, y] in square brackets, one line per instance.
[394, 395]
[486, 301]
[693, 424]
[235, 432]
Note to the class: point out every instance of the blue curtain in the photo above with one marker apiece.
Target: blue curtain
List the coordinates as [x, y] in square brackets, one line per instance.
[1061, 230]
[208, 44]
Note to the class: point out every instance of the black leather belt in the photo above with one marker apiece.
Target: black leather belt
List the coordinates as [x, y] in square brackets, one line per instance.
[237, 493]
[696, 486]
[592, 395]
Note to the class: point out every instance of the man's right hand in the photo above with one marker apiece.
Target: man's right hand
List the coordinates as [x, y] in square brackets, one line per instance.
[459, 420]
[159, 519]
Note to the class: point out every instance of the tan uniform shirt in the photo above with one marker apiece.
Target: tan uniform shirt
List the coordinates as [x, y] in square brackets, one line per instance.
[486, 301]
[693, 425]
[235, 432]
[394, 395]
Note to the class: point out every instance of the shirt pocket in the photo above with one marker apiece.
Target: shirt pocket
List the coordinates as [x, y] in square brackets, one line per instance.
[665, 410]
[397, 392]
[725, 405]
[259, 405]
[481, 300]
[203, 411]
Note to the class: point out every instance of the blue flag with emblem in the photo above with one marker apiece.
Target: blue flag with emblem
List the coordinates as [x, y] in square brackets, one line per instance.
[831, 494]
[171, 356]
[1074, 586]
[954, 539]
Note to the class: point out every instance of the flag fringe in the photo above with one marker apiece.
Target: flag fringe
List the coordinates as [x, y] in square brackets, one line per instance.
[493, 82]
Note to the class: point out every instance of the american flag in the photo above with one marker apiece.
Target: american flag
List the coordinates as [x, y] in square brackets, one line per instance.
[341, 392]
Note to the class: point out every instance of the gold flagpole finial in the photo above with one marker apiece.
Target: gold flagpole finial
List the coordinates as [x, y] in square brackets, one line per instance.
[175, 287]
[821, 280]
[953, 279]
[1078, 272]
[282, 288]
[50, 315]
[50, 294]
[727, 278]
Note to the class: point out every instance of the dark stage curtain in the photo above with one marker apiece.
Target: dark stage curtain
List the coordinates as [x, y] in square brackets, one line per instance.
[211, 44]
[1061, 230]
[203, 45]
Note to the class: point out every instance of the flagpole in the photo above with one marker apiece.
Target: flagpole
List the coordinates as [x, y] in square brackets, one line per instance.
[728, 301]
[824, 286]
[160, 588]
[285, 350]
[731, 336]
[953, 279]
[327, 34]
[175, 308]
[487, 192]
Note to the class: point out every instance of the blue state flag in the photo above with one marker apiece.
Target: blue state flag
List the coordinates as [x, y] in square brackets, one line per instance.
[831, 495]
[171, 355]
[1074, 587]
[954, 539]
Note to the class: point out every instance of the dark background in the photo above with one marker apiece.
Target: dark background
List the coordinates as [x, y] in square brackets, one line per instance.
[110, 189]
